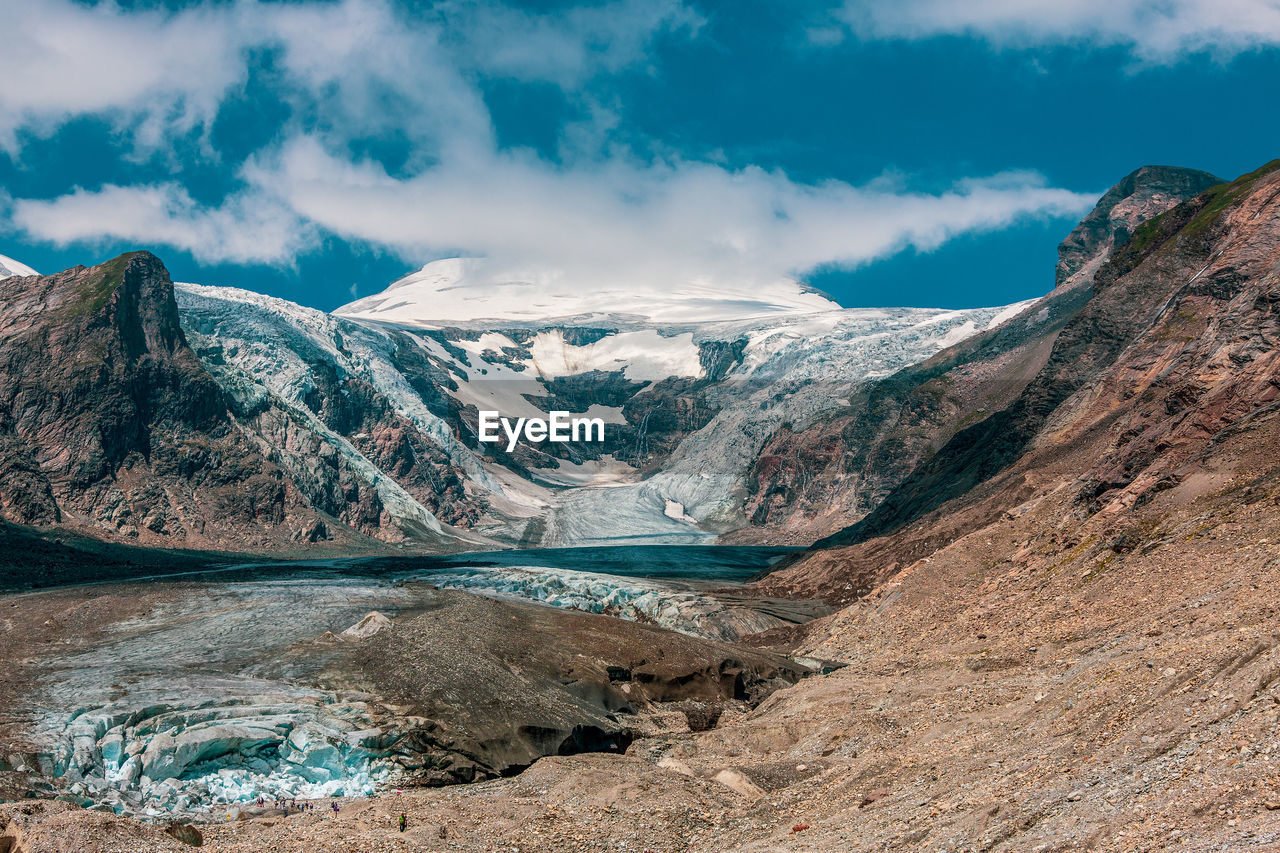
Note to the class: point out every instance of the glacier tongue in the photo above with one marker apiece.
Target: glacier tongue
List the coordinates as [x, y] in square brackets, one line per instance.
[792, 373]
[183, 758]
[197, 705]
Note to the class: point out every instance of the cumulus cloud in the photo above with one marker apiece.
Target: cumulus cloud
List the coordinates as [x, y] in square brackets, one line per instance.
[645, 223]
[148, 69]
[1156, 31]
[359, 69]
[360, 64]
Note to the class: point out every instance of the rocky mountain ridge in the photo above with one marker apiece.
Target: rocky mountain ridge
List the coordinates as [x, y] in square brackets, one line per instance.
[1173, 350]
[365, 432]
[110, 424]
[808, 483]
[781, 428]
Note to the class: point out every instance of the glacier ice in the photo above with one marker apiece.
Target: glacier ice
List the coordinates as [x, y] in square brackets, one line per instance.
[802, 358]
[197, 704]
[676, 606]
[159, 759]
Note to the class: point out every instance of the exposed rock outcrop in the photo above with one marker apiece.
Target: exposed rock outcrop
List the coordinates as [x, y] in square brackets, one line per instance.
[1140, 196]
[1174, 349]
[109, 422]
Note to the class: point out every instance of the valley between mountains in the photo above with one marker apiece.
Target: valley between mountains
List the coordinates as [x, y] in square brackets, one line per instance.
[901, 579]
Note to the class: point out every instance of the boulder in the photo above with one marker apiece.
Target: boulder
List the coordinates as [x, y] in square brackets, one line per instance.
[186, 833]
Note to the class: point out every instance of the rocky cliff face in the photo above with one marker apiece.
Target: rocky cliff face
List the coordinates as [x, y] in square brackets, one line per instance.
[1142, 194]
[807, 483]
[109, 423]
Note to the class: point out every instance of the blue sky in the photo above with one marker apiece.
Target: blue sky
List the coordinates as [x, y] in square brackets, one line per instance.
[914, 152]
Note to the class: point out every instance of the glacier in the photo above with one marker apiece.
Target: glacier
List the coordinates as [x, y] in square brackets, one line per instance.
[223, 695]
[481, 339]
[802, 357]
[199, 705]
[677, 606]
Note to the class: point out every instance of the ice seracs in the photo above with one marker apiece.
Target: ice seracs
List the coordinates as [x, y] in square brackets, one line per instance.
[734, 365]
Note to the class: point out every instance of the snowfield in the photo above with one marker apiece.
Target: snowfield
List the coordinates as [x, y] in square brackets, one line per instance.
[8, 267]
[468, 292]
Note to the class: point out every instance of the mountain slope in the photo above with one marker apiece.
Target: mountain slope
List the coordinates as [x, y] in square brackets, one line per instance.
[808, 483]
[110, 424]
[1175, 348]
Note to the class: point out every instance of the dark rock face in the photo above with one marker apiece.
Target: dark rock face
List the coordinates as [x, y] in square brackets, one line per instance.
[350, 451]
[352, 407]
[186, 833]
[834, 472]
[662, 415]
[107, 418]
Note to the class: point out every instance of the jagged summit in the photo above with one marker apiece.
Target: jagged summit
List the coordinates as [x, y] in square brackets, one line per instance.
[1141, 195]
[468, 291]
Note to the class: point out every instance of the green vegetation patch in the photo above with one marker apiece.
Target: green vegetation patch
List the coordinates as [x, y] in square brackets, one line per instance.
[102, 281]
[1223, 196]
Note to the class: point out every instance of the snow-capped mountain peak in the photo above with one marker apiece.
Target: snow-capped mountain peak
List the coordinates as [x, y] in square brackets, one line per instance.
[470, 291]
[8, 267]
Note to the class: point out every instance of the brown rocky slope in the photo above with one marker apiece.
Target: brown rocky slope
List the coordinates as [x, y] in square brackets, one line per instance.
[807, 483]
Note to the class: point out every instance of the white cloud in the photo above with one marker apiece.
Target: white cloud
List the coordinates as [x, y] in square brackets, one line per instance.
[246, 228]
[356, 69]
[649, 224]
[151, 70]
[565, 49]
[627, 222]
[358, 66]
[1156, 31]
